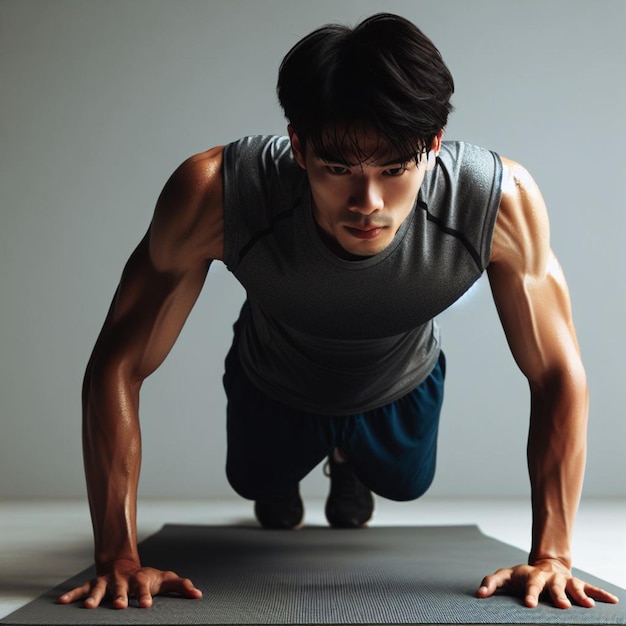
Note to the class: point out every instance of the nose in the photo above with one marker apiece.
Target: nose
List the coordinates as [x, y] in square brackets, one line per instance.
[366, 197]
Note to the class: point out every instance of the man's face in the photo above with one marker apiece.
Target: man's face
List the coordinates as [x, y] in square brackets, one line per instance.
[359, 206]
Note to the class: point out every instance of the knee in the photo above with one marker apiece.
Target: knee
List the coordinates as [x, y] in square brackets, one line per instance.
[412, 493]
[245, 486]
[406, 490]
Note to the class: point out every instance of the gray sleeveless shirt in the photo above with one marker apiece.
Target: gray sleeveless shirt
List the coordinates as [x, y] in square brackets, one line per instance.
[337, 337]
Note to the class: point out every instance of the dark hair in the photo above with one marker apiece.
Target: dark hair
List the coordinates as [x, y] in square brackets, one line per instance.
[383, 75]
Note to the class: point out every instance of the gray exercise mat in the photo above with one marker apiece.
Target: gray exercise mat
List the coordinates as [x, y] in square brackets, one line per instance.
[318, 575]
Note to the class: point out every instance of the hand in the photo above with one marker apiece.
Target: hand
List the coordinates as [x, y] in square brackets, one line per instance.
[127, 579]
[550, 576]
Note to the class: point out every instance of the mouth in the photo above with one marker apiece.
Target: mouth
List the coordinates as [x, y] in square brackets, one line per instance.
[364, 232]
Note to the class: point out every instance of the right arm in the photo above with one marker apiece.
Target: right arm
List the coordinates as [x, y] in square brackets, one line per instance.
[159, 286]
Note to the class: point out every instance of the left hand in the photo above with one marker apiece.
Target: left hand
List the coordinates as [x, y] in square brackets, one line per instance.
[545, 576]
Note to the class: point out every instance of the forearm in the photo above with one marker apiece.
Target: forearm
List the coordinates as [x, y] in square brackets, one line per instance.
[112, 458]
[556, 461]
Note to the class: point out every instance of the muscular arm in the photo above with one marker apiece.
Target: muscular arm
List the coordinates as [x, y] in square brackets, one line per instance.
[532, 298]
[533, 302]
[158, 289]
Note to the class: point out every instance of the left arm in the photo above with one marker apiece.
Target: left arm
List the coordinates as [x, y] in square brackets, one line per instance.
[532, 298]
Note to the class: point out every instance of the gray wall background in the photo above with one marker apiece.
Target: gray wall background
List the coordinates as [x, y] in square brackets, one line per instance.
[101, 100]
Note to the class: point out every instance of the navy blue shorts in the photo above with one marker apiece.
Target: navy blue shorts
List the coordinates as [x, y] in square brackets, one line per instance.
[272, 447]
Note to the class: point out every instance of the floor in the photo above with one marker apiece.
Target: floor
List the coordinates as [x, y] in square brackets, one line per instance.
[44, 543]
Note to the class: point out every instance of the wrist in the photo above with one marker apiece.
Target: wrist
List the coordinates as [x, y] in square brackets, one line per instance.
[107, 567]
[539, 560]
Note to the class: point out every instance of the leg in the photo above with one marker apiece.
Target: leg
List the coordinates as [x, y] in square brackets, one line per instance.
[393, 449]
[271, 447]
[350, 503]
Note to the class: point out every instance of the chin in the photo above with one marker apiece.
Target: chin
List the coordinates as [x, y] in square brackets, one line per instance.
[366, 249]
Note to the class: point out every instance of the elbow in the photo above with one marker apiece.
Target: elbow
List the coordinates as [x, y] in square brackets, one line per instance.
[108, 378]
[567, 377]
[561, 398]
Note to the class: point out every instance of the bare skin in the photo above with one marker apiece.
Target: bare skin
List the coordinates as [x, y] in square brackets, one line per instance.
[532, 298]
[158, 289]
[163, 279]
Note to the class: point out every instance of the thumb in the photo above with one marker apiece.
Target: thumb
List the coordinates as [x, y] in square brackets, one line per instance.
[183, 586]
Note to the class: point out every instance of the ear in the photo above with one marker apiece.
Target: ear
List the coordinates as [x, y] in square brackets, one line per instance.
[435, 147]
[296, 147]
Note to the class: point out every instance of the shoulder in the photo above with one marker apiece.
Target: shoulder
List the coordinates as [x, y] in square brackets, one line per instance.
[264, 147]
[261, 180]
[257, 160]
[469, 161]
[522, 231]
[466, 175]
[187, 222]
[463, 192]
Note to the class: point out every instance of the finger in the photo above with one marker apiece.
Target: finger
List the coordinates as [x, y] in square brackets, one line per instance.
[78, 593]
[183, 586]
[559, 597]
[600, 594]
[98, 591]
[142, 590]
[120, 595]
[534, 587]
[577, 591]
[585, 594]
[494, 582]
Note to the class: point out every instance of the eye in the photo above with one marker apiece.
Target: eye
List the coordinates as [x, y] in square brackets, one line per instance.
[395, 171]
[337, 170]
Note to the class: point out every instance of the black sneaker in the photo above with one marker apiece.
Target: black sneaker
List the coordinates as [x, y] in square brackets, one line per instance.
[350, 503]
[280, 513]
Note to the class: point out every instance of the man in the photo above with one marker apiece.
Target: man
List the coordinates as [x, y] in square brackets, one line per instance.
[349, 237]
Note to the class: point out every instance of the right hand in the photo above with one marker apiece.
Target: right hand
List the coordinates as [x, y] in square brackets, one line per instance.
[123, 580]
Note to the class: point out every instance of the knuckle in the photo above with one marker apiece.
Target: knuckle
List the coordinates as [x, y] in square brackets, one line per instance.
[578, 587]
[140, 577]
